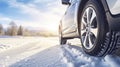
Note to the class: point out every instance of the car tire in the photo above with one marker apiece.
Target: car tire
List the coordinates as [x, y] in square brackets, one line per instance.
[62, 41]
[93, 30]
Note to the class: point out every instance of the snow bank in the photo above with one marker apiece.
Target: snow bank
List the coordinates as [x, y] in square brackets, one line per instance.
[4, 47]
[74, 56]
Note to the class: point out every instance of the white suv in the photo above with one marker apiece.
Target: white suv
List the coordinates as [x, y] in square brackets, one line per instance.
[95, 22]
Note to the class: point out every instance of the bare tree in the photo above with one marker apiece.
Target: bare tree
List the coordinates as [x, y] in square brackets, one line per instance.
[1, 30]
[20, 31]
[12, 29]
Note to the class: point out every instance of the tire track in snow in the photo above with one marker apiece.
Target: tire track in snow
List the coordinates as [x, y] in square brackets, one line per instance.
[74, 56]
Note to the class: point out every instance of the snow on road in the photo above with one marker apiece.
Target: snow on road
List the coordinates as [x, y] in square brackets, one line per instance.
[75, 57]
[21, 48]
[46, 52]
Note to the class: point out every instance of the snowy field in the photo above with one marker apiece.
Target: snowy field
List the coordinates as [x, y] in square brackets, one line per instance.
[46, 52]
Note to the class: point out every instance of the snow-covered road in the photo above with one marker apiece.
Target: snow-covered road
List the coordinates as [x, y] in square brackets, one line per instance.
[21, 48]
[46, 52]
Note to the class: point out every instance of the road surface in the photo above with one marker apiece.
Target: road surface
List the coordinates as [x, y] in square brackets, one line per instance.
[46, 52]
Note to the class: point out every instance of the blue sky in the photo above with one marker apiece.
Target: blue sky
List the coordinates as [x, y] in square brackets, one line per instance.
[32, 13]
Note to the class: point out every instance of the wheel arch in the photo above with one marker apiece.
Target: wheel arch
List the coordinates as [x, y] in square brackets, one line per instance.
[80, 9]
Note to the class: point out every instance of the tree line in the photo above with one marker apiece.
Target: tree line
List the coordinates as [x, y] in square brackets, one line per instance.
[11, 30]
[14, 30]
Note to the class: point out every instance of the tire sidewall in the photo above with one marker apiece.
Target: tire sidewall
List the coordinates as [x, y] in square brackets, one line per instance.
[101, 27]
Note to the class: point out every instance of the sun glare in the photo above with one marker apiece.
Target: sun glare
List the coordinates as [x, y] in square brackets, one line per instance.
[52, 27]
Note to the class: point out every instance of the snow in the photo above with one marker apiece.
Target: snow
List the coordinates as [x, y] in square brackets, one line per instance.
[8, 36]
[46, 52]
[13, 42]
[78, 58]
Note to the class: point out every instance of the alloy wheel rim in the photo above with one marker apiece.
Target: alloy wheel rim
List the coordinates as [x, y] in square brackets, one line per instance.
[89, 28]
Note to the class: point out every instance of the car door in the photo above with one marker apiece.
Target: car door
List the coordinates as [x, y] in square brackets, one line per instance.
[68, 24]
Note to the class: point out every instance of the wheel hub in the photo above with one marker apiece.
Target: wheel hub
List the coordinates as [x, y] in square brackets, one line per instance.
[89, 28]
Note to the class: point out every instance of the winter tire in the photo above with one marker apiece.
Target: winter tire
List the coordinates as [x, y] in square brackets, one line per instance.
[93, 31]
